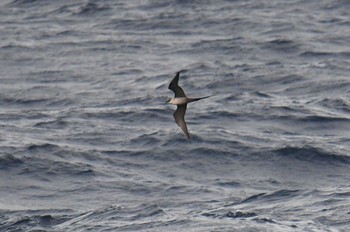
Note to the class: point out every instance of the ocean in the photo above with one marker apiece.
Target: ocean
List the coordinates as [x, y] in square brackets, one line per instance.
[88, 143]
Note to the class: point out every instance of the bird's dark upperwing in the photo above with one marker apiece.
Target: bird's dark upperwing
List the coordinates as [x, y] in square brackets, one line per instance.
[179, 116]
[175, 87]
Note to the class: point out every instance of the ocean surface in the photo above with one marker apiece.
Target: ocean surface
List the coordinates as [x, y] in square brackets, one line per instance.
[87, 142]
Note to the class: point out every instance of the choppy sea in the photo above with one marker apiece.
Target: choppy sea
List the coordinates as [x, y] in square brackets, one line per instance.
[87, 142]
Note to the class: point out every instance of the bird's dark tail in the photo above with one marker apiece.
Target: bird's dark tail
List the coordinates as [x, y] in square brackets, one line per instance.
[199, 98]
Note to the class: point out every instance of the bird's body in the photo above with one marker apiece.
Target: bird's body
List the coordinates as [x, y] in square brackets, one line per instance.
[178, 101]
[181, 100]
[184, 100]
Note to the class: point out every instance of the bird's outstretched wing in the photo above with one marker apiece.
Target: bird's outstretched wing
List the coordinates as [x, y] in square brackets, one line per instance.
[175, 87]
[179, 116]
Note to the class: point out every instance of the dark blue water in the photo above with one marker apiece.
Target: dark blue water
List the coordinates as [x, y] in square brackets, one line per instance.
[87, 142]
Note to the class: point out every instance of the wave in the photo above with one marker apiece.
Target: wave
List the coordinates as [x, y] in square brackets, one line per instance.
[45, 147]
[318, 54]
[312, 154]
[43, 160]
[231, 214]
[43, 168]
[91, 8]
[323, 119]
[131, 114]
[8, 161]
[339, 104]
[135, 218]
[26, 3]
[282, 45]
[38, 96]
[38, 220]
[54, 124]
[279, 195]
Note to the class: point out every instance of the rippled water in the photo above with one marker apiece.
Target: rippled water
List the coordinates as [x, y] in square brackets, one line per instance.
[88, 143]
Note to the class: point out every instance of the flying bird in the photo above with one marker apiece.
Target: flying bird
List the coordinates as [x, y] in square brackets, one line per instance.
[180, 99]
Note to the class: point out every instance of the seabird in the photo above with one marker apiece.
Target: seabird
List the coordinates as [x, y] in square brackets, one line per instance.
[181, 101]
